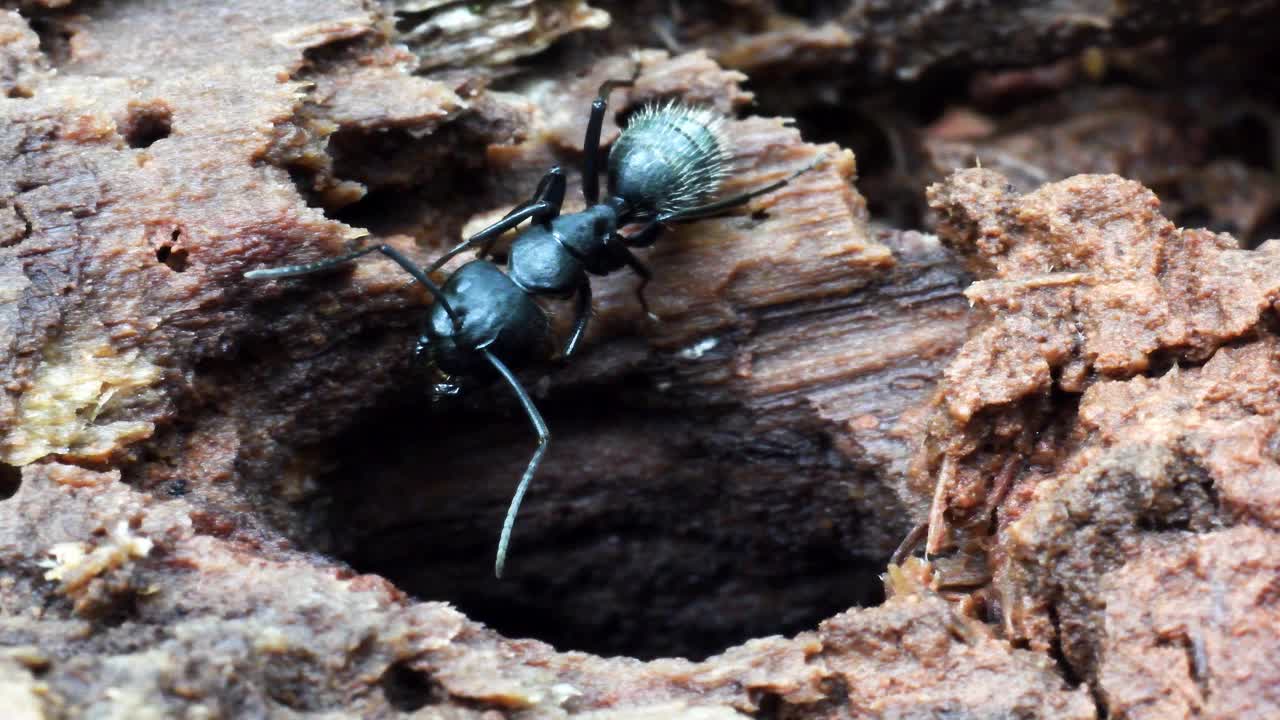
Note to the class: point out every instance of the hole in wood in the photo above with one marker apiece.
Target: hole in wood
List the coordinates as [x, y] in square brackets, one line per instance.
[147, 124]
[646, 533]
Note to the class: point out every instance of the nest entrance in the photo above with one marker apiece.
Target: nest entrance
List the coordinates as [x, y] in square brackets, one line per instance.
[647, 533]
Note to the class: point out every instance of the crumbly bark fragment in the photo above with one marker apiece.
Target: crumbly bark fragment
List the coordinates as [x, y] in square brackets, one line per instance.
[1117, 397]
[1192, 624]
[445, 34]
[1079, 281]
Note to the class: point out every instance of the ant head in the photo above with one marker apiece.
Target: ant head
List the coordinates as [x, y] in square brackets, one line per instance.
[442, 354]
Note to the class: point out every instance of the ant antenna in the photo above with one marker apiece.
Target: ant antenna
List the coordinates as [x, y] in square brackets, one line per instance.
[544, 437]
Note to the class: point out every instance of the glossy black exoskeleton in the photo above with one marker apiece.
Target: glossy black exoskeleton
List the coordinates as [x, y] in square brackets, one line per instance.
[663, 168]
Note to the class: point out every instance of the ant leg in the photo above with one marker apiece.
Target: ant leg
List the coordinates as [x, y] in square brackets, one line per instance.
[646, 237]
[308, 268]
[551, 191]
[544, 437]
[582, 313]
[322, 265]
[548, 198]
[909, 543]
[486, 236]
[716, 207]
[639, 268]
[591, 160]
[544, 189]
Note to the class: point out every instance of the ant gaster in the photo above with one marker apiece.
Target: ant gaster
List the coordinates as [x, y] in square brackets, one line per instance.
[662, 169]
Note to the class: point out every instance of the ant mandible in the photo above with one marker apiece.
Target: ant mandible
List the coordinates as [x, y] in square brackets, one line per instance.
[483, 322]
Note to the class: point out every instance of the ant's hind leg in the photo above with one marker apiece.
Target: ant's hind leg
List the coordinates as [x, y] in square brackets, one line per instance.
[638, 267]
[544, 437]
[646, 237]
[719, 206]
[591, 155]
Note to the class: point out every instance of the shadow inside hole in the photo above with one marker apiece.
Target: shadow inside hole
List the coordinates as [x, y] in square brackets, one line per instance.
[1267, 229]
[814, 10]
[1200, 217]
[643, 534]
[147, 124]
[10, 480]
[409, 690]
[1248, 136]
[426, 187]
[176, 259]
[54, 36]
[887, 149]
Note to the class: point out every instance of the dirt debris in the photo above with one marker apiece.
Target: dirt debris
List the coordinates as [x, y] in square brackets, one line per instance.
[1159, 138]
[1199, 648]
[445, 34]
[914, 657]
[880, 41]
[1114, 403]
[1143, 477]
[1079, 280]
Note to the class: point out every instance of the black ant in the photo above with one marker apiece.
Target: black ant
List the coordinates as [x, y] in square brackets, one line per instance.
[663, 168]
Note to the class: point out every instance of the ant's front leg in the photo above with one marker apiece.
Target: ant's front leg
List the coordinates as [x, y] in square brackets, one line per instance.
[551, 191]
[581, 315]
[592, 159]
[543, 207]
